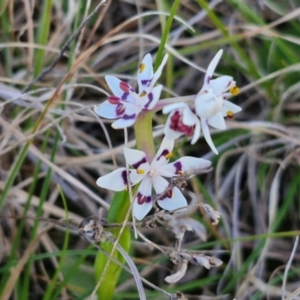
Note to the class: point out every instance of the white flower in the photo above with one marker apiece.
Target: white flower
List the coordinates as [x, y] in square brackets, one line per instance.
[210, 106]
[126, 104]
[150, 175]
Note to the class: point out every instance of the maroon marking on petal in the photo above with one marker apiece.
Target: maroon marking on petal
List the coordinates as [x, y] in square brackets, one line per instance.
[150, 97]
[113, 100]
[177, 124]
[124, 86]
[120, 109]
[168, 194]
[141, 199]
[129, 117]
[142, 161]
[229, 83]
[178, 166]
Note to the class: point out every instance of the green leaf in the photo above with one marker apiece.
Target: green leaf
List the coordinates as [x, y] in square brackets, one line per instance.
[117, 213]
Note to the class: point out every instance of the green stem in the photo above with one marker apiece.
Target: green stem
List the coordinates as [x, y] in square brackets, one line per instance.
[144, 134]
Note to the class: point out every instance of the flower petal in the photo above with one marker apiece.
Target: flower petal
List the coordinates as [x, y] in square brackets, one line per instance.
[118, 177]
[221, 84]
[145, 73]
[158, 72]
[217, 121]
[106, 110]
[176, 201]
[171, 107]
[170, 133]
[207, 105]
[143, 200]
[136, 158]
[159, 184]
[190, 164]
[124, 122]
[149, 100]
[211, 68]
[161, 156]
[188, 117]
[119, 88]
[207, 136]
[197, 132]
[228, 106]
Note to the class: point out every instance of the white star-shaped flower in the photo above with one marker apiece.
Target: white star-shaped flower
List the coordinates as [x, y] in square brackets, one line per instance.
[126, 104]
[151, 175]
[210, 106]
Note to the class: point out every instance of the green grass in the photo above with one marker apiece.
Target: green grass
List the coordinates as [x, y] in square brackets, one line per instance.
[254, 47]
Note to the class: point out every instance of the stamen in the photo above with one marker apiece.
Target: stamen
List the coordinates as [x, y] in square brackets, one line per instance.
[230, 114]
[142, 68]
[140, 171]
[169, 155]
[234, 90]
[142, 94]
[124, 87]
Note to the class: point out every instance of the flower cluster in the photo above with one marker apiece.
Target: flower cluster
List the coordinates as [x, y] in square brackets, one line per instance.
[208, 108]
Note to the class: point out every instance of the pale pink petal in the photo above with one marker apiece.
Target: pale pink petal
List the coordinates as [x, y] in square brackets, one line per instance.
[106, 110]
[115, 181]
[211, 68]
[165, 148]
[145, 73]
[217, 121]
[207, 136]
[221, 84]
[158, 72]
[197, 132]
[187, 164]
[174, 106]
[160, 184]
[228, 106]
[176, 201]
[136, 158]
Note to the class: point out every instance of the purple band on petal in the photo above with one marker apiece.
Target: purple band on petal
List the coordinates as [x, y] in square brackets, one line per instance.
[142, 161]
[129, 117]
[146, 82]
[164, 153]
[124, 177]
[141, 199]
[124, 96]
[150, 97]
[178, 166]
[208, 79]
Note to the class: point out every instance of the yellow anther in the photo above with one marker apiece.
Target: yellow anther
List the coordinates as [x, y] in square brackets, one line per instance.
[229, 114]
[169, 155]
[234, 90]
[142, 68]
[179, 172]
[140, 171]
[142, 94]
